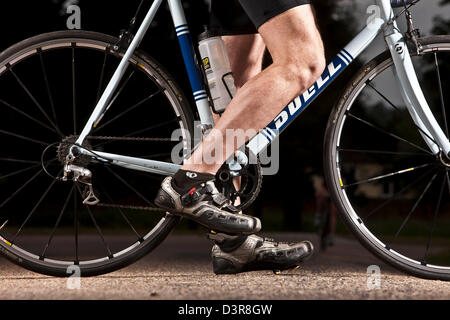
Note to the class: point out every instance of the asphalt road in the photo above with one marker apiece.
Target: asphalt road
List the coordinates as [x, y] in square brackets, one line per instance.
[180, 269]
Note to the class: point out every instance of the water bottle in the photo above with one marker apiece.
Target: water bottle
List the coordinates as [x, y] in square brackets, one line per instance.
[218, 70]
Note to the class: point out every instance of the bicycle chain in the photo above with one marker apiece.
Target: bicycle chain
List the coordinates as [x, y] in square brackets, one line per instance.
[149, 208]
[121, 206]
[129, 138]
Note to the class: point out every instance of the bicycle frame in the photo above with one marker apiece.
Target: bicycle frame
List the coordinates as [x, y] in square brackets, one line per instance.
[410, 88]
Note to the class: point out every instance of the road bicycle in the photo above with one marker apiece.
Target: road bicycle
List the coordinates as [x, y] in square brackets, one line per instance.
[86, 128]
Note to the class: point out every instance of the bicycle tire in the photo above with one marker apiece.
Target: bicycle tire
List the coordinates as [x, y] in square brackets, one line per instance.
[348, 208]
[21, 50]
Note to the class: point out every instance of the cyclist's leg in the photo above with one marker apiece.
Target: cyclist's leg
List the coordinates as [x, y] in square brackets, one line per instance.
[192, 192]
[297, 52]
[246, 54]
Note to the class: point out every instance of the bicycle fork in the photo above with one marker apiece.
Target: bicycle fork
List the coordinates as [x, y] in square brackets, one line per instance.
[411, 91]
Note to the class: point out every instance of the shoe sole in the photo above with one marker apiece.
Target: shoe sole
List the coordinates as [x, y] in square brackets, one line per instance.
[227, 267]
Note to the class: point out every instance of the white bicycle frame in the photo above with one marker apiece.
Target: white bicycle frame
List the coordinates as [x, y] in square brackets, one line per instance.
[411, 91]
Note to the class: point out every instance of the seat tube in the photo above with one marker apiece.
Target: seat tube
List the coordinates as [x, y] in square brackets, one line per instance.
[192, 67]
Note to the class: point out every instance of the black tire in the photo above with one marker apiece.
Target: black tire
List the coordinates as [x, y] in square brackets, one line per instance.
[349, 206]
[149, 67]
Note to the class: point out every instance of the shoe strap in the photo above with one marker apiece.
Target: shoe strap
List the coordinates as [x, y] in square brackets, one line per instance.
[195, 193]
[206, 188]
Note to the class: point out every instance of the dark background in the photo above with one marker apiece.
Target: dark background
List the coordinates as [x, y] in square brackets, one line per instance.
[301, 144]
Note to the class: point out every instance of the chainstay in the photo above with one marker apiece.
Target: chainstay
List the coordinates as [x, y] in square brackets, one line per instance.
[114, 138]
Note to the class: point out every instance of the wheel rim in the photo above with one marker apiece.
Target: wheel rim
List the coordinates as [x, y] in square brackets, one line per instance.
[396, 192]
[69, 76]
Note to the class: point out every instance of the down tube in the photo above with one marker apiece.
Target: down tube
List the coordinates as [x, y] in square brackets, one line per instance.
[260, 142]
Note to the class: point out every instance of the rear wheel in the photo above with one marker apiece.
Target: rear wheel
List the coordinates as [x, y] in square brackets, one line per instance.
[49, 86]
[391, 191]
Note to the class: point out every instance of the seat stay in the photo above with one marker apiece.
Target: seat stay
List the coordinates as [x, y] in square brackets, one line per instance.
[118, 74]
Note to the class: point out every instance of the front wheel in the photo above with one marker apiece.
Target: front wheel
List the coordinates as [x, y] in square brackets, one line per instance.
[49, 86]
[392, 192]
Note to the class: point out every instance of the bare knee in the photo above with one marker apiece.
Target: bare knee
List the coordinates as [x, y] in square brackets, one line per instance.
[304, 71]
[295, 44]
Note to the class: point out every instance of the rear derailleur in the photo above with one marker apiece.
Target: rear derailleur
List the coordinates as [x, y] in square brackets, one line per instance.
[82, 176]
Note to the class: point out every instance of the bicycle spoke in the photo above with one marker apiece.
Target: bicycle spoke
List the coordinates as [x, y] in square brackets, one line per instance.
[27, 115]
[74, 91]
[415, 207]
[21, 188]
[438, 73]
[19, 171]
[4, 224]
[397, 109]
[387, 175]
[386, 152]
[433, 226]
[75, 225]
[396, 195]
[102, 75]
[24, 138]
[58, 220]
[114, 98]
[128, 110]
[448, 182]
[128, 185]
[122, 87]
[388, 133]
[34, 208]
[383, 96]
[36, 103]
[49, 93]
[123, 216]
[96, 225]
[19, 161]
[152, 127]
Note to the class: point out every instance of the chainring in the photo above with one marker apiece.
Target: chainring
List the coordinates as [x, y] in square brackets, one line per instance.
[248, 179]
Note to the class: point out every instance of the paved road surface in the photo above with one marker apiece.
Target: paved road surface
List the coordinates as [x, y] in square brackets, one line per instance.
[181, 269]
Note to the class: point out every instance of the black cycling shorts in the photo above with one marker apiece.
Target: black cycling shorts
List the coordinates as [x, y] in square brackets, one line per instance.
[231, 17]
